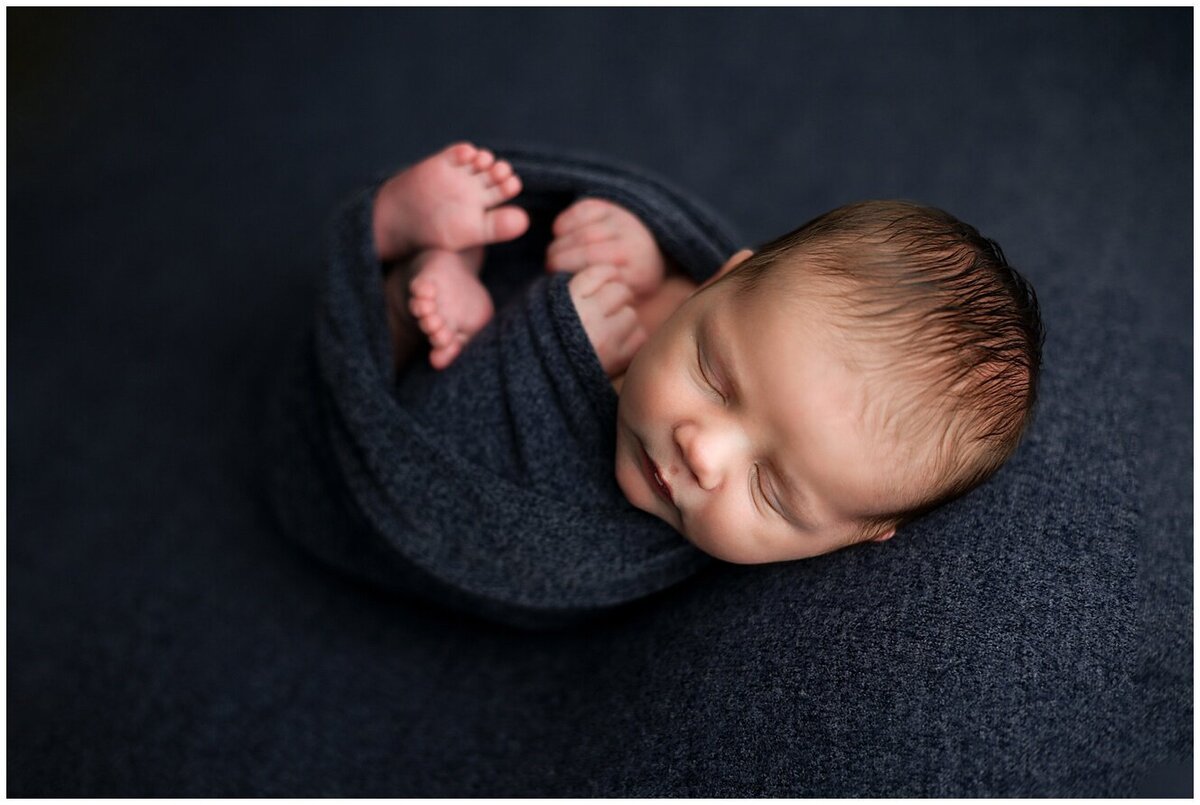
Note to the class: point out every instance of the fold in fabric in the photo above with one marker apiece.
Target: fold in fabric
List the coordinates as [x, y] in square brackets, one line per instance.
[487, 487]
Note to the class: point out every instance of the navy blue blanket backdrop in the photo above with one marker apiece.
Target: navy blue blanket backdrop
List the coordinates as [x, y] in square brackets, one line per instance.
[170, 175]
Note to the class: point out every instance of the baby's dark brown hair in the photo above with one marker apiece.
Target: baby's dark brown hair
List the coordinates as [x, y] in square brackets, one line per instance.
[951, 318]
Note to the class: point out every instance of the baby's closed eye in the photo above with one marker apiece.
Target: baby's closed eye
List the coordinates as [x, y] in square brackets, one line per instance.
[706, 374]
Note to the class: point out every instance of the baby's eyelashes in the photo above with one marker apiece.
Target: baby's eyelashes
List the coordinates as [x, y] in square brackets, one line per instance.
[704, 374]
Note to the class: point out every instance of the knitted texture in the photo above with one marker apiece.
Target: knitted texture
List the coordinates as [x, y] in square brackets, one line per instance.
[167, 178]
[487, 486]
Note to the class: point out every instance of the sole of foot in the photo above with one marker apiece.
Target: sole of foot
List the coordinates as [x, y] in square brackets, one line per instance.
[448, 301]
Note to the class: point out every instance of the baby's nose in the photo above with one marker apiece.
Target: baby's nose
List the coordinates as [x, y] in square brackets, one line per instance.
[709, 451]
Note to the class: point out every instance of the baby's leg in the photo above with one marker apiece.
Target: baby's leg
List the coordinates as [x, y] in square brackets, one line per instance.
[593, 232]
[441, 212]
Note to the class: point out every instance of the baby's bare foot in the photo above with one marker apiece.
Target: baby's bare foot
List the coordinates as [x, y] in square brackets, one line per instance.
[597, 232]
[449, 201]
[448, 300]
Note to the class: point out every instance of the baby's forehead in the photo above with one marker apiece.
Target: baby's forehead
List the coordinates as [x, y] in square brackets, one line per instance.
[818, 321]
[856, 379]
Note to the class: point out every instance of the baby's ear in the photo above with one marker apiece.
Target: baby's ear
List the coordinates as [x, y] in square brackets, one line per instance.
[884, 537]
[730, 264]
[734, 261]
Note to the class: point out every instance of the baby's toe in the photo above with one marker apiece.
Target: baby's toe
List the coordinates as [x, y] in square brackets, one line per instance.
[441, 357]
[461, 153]
[423, 288]
[442, 337]
[510, 187]
[505, 223]
[484, 159]
[502, 183]
[430, 324]
[503, 191]
[421, 307]
[500, 171]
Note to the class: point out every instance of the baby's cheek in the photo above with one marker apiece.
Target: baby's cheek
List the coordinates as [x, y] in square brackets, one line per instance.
[707, 533]
[722, 546]
[623, 475]
[729, 534]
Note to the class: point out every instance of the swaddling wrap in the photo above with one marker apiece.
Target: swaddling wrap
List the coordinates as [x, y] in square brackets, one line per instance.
[489, 486]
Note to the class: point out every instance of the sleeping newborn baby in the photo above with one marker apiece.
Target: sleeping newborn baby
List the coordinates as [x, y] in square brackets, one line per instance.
[816, 393]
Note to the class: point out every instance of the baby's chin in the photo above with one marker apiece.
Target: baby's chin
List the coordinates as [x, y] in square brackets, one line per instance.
[640, 497]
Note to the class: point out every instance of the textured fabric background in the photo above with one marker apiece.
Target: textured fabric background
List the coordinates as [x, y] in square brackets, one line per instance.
[169, 177]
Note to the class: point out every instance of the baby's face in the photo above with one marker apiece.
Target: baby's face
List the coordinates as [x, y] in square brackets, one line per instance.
[755, 427]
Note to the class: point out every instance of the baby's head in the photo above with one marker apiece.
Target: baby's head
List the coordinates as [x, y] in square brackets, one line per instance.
[843, 380]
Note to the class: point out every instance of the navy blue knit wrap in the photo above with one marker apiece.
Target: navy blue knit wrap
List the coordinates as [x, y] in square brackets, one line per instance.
[488, 486]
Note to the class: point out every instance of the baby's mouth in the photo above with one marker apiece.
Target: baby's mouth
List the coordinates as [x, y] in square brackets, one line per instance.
[658, 483]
